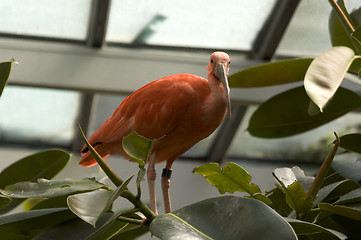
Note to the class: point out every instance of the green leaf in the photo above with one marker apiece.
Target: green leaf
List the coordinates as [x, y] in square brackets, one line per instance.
[351, 197]
[278, 199]
[88, 206]
[268, 74]
[78, 229]
[40, 165]
[306, 228]
[137, 147]
[227, 217]
[5, 68]
[41, 203]
[333, 191]
[348, 166]
[326, 73]
[287, 113]
[4, 201]
[92, 205]
[353, 212]
[229, 179]
[132, 233]
[26, 225]
[297, 198]
[50, 188]
[357, 34]
[351, 142]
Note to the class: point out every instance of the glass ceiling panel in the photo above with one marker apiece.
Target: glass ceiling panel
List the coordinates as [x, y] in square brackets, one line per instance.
[46, 18]
[312, 146]
[232, 24]
[307, 33]
[35, 114]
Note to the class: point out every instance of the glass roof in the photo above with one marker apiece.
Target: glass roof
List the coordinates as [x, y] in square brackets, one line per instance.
[66, 19]
[212, 24]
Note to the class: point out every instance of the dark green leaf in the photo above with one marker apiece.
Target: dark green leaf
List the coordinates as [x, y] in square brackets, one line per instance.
[333, 191]
[297, 198]
[348, 166]
[26, 225]
[353, 212]
[76, 229]
[280, 72]
[50, 188]
[357, 34]
[137, 147]
[5, 68]
[351, 197]
[42, 203]
[131, 233]
[229, 179]
[278, 199]
[4, 201]
[226, 217]
[306, 228]
[287, 113]
[351, 142]
[40, 165]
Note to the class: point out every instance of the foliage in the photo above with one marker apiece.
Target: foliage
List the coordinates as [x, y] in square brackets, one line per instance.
[327, 206]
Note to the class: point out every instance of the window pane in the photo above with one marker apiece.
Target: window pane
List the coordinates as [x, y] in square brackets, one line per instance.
[47, 18]
[307, 33]
[230, 24]
[34, 114]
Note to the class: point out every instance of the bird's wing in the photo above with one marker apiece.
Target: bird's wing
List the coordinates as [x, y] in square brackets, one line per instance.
[155, 109]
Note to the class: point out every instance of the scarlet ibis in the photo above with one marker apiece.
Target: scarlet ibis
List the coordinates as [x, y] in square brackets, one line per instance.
[177, 110]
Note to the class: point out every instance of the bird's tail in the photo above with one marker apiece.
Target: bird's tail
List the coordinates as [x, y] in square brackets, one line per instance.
[88, 160]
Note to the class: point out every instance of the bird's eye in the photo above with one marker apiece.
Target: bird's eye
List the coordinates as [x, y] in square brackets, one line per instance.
[229, 62]
[211, 60]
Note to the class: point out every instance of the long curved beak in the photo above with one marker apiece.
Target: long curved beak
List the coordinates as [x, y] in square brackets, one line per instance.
[221, 72]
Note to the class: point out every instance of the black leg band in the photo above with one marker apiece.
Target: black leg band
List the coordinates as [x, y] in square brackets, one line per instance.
[167, 173]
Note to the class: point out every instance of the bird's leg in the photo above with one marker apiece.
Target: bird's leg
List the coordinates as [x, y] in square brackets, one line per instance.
[166, 174]
[151, 176]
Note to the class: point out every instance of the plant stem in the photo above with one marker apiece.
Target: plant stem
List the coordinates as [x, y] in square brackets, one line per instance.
[342, 17]
[117, 181]
[322, 172]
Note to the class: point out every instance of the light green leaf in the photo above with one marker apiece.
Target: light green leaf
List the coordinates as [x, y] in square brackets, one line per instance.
[26, 225]
[287, 113]
[88, 206]
[92, 205]
[306, 228]
[226, 217]
[326, 73]
[5, 68]
[137, 147]
[268, 74]
[50, 188]
[290, 175]
[228, 179]
[353, 212]
[40, 165]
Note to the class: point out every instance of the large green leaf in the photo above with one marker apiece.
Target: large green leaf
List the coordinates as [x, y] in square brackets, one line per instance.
[226, 217]
[268, 74]
[351, 197]
[325, 74]
[306, 228]
[26, 225]
[351, 142]
[287, 113]
[40, 165]
[333, 191]
[44, 188]
[230, 179]
[348, 166]
[352, 212]
[4, 201]
[5, 68]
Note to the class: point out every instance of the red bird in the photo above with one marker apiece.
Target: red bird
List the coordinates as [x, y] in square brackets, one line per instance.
[178, 111]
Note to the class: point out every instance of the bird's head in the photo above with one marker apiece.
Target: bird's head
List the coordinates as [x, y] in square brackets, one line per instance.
[219, 66]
